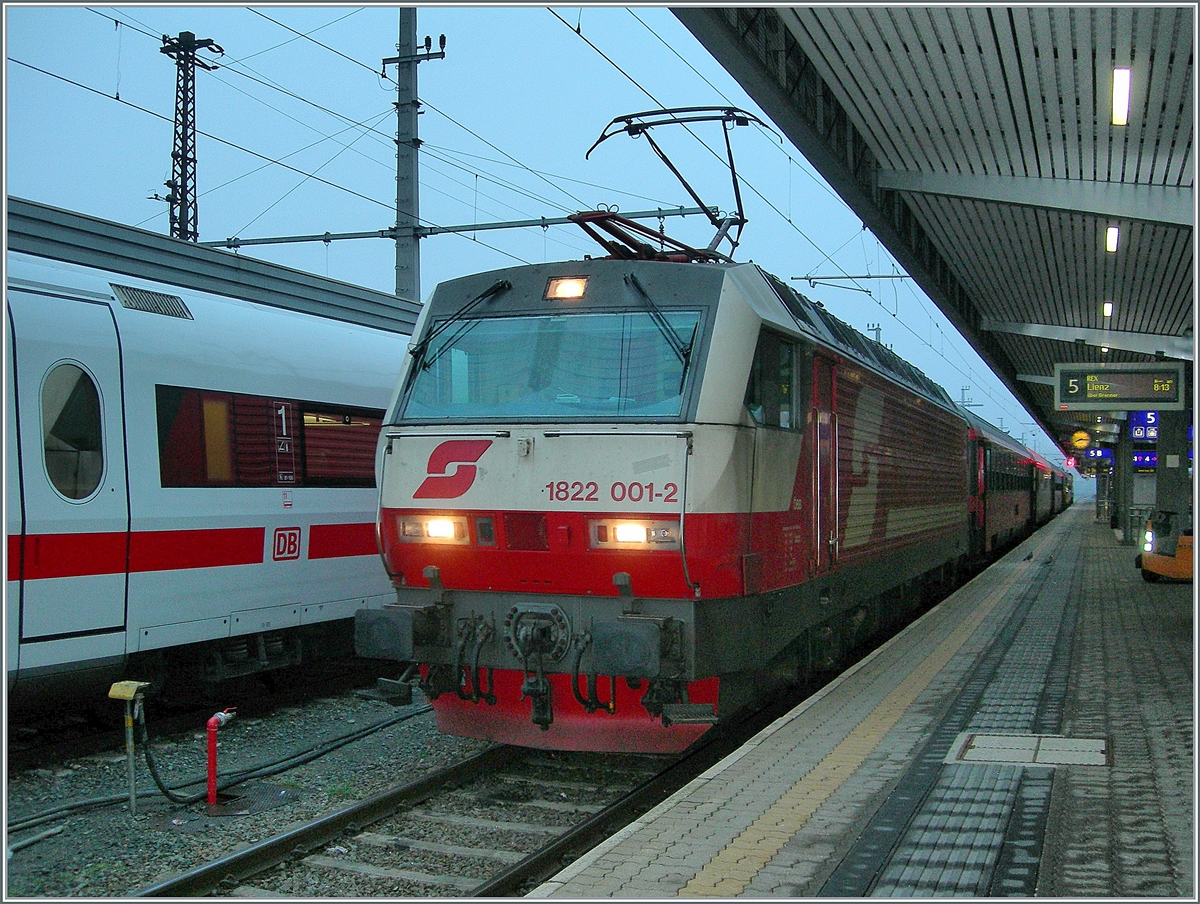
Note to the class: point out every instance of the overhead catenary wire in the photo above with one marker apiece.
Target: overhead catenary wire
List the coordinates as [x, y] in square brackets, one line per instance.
[230, 65]
[582, 182]
[201, 132]
[281, 198]
[820, 183]
[238, 68]
[701, 141]
[476, 209]
[235, 67]
[499, 150]
[235, 146]
[776, 210]
[308, 36]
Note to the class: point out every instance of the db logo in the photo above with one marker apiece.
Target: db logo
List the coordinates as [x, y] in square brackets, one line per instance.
[461, 452]
[287, 544]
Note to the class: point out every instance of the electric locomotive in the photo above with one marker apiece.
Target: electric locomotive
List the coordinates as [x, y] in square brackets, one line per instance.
[621, 498]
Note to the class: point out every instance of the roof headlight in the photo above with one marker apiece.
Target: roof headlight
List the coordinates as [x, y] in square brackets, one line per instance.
[565, 288]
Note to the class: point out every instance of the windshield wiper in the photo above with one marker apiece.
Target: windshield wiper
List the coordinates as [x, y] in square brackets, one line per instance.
[682, 352]
[418, 350]
[500, 285]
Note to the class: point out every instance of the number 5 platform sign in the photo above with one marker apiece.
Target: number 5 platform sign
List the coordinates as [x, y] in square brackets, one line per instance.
[1116, 387]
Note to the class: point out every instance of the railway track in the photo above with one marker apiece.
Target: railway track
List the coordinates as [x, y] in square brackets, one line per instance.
[446, 834]
[494, 825]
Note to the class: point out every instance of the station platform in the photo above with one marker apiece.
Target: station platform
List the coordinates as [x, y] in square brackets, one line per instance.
[1030, 735]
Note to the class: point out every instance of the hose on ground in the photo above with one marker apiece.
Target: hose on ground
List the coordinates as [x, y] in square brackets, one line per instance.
[291, 761]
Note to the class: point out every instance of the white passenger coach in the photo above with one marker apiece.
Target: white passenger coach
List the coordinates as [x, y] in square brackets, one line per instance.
[191, 436]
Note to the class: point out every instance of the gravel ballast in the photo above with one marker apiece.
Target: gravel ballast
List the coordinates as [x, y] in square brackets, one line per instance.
[105, 852]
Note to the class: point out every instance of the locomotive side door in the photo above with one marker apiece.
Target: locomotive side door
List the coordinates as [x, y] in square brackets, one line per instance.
[825, 466]
[73, 552]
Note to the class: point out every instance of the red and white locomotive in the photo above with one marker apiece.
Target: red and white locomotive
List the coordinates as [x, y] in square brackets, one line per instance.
[190, 476]
[623, 497]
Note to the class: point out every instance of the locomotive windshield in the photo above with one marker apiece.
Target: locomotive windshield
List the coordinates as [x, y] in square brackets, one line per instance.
[629, 365]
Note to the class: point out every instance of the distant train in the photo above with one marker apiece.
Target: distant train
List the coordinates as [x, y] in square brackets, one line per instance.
[190, 479]
[622, 498]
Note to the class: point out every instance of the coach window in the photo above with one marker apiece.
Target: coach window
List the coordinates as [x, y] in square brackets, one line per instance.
[339, 446]
[71, 430]
[210, 439]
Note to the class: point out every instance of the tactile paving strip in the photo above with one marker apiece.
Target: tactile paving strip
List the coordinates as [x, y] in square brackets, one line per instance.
[955, 829]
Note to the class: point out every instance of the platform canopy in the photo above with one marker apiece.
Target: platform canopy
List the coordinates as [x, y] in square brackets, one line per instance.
[979, 145]
[64, 235]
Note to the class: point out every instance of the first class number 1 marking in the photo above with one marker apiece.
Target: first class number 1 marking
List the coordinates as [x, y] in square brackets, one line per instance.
[577, 491]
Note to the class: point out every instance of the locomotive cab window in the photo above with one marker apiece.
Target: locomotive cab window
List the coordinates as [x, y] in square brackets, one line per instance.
[774, 392]
[72, 431]
[626, 365]
[229, 439]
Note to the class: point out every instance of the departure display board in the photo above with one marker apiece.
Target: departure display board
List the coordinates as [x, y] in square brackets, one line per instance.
[1112, 387]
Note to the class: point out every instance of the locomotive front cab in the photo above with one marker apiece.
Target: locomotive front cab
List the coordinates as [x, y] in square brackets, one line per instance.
[535, 469]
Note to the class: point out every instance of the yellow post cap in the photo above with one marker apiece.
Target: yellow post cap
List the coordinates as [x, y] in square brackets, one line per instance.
[127, 690]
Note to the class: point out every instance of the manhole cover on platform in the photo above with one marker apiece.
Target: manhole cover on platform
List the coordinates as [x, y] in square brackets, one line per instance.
[1028, 750]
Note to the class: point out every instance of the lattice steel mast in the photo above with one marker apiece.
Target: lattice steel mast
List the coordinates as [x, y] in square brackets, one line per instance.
[182, 196]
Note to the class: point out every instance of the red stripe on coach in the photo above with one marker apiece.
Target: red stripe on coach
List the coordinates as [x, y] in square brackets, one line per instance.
[167, 550]
[14, 557]
[68, 555]
[334, 541]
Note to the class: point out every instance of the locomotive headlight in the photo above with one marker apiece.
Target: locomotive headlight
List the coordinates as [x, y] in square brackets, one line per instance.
[606, 533]
[440, 529]
[565, 288]
[426, 529]
[630, 533]
[1148, 546]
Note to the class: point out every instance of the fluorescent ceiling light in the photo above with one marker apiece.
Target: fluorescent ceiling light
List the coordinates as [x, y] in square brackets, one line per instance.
[1111, 237]
[1108, 308]
[1120, 103]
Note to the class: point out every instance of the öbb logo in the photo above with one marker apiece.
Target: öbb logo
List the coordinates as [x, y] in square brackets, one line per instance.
[287, 544]
[461, 452]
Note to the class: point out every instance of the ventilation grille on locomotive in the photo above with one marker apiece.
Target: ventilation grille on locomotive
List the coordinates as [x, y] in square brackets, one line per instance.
[154, 302]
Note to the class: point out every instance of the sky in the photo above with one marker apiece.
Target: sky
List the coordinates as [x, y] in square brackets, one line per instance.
[296, 137]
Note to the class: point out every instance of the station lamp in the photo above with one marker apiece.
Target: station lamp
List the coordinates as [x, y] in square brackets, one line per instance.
[1108, 308]
[1120, 97]
[1111, 237]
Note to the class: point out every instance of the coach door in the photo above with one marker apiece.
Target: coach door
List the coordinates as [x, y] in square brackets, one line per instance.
[72, 557]
[13, 522]
[825, 476]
